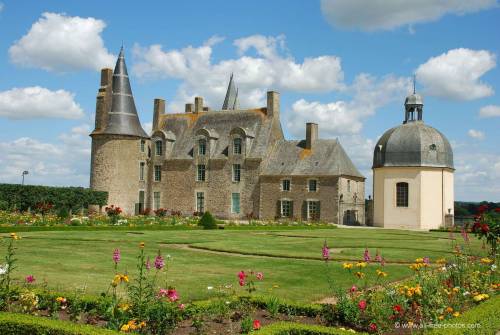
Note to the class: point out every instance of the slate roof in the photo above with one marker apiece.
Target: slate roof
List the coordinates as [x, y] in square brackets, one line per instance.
[123, 118]
[327, 157]
[231, 99]
[413, 144]
[219, 123]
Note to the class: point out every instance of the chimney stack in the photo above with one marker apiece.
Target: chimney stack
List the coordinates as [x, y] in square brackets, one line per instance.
[189, 108]
[198, 104]
[103, 103]
[159, 110]
[273, 104]
[311, 134]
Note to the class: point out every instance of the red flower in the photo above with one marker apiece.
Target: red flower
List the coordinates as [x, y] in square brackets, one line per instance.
[362, 305]
[256, 324]
[476, 226]
[373, 327]
[353, 288]
[485, 228]
[482, 208]
[397, 308]
[497, 210]
[241, 275]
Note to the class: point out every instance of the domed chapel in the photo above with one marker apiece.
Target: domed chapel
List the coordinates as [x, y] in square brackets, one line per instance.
[413, 174]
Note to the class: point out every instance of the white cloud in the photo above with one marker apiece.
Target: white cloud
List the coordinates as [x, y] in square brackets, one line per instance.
[489, 111]
[64, 163]
[456, 74]
[384, 15]
[476, 134]
[269, 69]
[38, 102]
[57, 42]
[1, 6]
[347, 117]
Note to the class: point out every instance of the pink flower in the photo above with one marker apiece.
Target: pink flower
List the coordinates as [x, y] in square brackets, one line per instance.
[377, 257]
[172, 295]
[242, 282]
[426, 260]
[326, 251]
[241, 275]
[353, 288]
[366, 255]
[373, 327]
[260, 276]
[116, 255]
[256, 324]
[30, 279]
[182, 306]
[382, 262]
[464, 234]
[148, 264]
[362, 305]
[162, 293]
[159, 262]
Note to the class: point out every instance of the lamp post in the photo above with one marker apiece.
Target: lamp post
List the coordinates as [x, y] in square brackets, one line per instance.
[24, 174]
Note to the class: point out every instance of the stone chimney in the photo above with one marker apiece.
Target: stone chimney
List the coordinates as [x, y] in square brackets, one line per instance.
[273, 104]
[198, 104]
[189, 108]
[159, 110]
[311, 134]
[103, 103]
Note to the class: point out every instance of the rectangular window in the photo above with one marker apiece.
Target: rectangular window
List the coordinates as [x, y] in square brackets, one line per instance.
[236, 172]
[313, 210]
[200, 173]
[141, 171]
[159, 148]
[402, 194]
[202, 147]
[285, 185]
[157, 172]
[237, 146]
[143, 145]
[200, 202]
[156, 200]
[235, 203]
[348, 186]
[286, 208]
[312, 185]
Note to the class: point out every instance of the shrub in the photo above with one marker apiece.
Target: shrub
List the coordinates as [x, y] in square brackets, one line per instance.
[21, 324]
[207, 221]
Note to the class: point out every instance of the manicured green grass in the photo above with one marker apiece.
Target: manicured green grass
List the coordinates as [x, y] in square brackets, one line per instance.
[290, 259]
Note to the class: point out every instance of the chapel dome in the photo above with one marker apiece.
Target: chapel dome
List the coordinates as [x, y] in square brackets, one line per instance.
[413, 143]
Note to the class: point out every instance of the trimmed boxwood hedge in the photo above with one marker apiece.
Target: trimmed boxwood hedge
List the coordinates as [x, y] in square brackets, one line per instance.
[291, 328]
[23, 324]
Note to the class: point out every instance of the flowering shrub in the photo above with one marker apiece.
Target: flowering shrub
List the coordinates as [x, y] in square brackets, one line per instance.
[113, 213]
[487, 225]
[161, 212]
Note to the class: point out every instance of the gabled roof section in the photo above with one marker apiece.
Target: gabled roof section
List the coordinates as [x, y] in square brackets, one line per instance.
[123, 118]
[231, 99]
[327, 157]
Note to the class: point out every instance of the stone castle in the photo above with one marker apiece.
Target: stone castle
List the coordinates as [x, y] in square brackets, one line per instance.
[232, 162]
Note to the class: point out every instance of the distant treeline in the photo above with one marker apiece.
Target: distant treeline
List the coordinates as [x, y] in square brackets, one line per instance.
[463, 208]
[19, 197]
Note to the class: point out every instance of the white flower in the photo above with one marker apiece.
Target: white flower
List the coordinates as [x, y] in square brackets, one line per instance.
[3, 269]
[493, 267]
[443, 268]
[210, 288]
[466, 293]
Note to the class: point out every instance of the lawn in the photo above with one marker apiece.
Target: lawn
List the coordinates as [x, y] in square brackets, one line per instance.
[290, 259]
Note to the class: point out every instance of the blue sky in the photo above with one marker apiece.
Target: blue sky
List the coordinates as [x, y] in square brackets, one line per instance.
[344, 64]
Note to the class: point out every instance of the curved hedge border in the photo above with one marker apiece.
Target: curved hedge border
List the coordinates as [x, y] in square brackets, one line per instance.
[23, 324]
[291, 328]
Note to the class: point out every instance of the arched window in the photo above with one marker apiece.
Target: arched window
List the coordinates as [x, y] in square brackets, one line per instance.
[402, 194]
[202, 147]
[237, 146]
[159, 147]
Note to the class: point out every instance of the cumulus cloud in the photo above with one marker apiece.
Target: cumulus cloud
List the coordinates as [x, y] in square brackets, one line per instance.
[489, 111]
[347, 116]
[57, 42]
[270, 67]
[476, 134]
[456, 74]
[384, 15]
[63, 163]
[38, 102]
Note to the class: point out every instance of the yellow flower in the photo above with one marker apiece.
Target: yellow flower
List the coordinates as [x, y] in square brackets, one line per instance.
[418, 290]
[441, 261]
[441, 317]
[61, 299]
[456, 314]
[347, 266]
[125, 328]
[359, 274]
[141, 245]
[456, 289]
[381, 273]
[480, 297]
[449, 309]
[419, 260]
[14, 236]
[486, 260]
[124, 278]
[142, 324]
[361, 264]
[124, 307]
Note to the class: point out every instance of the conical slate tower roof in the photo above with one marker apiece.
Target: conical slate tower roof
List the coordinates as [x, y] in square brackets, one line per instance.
[231, 100]
[123, 118]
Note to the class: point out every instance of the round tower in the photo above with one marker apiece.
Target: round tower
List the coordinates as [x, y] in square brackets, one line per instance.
[119, 144]
[413, 174]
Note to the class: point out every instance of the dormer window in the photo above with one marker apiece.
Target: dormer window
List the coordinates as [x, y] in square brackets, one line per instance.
[202, 147]
[159, 147]
[237, 146]
[143, 145]
[312, 185]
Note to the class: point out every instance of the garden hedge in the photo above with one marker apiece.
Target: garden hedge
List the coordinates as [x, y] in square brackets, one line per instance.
[28, 196]
[23, 324]
[291, 328]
